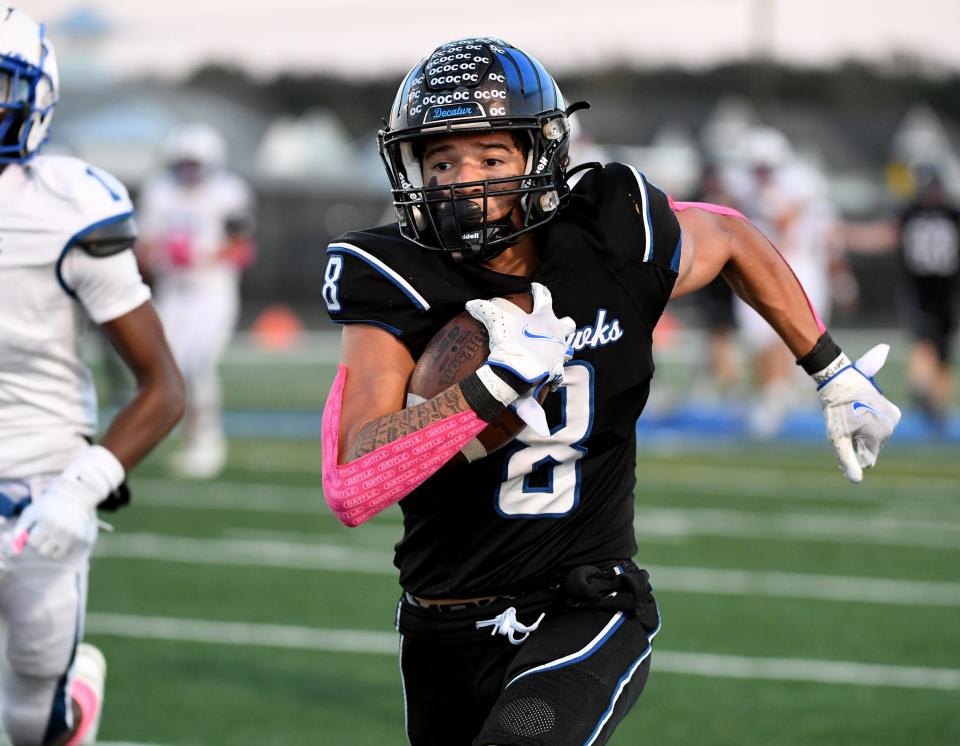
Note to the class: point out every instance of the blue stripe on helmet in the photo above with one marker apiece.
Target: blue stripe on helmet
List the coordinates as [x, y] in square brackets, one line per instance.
[548, 89]
[531, 82]
[534, 80]
[510, 71]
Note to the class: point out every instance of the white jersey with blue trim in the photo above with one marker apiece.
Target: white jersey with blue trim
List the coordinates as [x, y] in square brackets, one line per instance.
[49, 290]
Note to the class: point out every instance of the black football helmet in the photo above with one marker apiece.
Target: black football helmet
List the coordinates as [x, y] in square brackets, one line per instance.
[476, 85]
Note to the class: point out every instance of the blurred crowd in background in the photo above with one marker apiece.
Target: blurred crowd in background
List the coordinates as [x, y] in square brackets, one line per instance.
[860, 204]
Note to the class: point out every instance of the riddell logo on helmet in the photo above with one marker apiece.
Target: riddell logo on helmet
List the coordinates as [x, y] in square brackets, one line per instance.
[436, 113]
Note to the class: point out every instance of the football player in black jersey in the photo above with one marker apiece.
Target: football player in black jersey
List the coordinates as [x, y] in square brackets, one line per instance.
[930, 278]
[523, 618]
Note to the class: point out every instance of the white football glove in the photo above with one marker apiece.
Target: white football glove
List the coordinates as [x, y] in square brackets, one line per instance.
[532, 346]
[859, 418]
[63, 517]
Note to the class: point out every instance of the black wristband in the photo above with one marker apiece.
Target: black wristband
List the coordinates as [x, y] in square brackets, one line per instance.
[824, 352]
[486, 406]
[512, 380]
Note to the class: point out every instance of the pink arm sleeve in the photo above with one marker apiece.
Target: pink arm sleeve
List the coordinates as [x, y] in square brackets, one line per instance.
[359, 490]
[721, 210]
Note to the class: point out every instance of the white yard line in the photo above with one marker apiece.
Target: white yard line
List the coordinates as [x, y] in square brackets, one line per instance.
[832, 526]
[716, 479]
[845, 528]
[242, 552]
[340, 558]
[808, 586]
[385, 643]
[782, 482]
[261, 498]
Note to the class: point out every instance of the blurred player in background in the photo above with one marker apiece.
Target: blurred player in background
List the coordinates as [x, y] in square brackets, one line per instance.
[196, 226]
[65, 232]
[715, 303]
[929, 233]
[787, 201]
[523, 619]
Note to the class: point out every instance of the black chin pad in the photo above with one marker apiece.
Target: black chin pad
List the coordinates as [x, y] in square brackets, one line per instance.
[462, 229]
[460, 223]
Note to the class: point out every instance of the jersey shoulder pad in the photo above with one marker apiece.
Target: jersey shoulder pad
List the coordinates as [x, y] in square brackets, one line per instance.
[371, 277]
[109, 237]
[105, 224]
[95, 193]
[635, 214]
[99, 218]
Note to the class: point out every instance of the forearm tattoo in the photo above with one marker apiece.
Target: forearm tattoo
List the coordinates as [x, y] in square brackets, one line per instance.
[391, 427]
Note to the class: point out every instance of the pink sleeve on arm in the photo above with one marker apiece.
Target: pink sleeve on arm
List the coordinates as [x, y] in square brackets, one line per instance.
[721, 210]
[708, 206]
[359, 490]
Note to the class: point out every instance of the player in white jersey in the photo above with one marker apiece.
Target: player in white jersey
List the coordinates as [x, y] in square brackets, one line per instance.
[787, 201]
[65, 233]
[196, 222]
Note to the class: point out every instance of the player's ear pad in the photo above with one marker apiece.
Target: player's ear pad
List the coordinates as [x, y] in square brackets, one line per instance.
[628, 591]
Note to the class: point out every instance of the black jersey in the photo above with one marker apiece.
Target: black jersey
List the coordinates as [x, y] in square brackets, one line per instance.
[930, 249]
[524, 515]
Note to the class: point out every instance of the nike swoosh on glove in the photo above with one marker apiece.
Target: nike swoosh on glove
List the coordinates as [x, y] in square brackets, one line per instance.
[859, 418]
[531, 346]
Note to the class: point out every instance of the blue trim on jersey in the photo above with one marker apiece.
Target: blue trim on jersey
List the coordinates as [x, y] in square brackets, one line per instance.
[57, 722]
[646, 209]
[392, 329]
[9, 508]
[647, 220]
[562, 393]
[547, 462]
[573, 661]
[384, 270]
[76, 237]
[90, 172]
[519, 445]
[675, 259]
[622, 683]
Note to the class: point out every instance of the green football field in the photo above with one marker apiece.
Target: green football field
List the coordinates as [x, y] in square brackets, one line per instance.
[797, 609]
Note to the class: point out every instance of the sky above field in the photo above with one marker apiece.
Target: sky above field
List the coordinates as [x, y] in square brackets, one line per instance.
[375, 37]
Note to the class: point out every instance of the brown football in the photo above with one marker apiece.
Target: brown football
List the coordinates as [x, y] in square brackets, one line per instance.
[456, 351]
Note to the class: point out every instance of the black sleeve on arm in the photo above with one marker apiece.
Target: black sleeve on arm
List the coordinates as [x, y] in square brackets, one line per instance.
[109, 239]
[359, 290]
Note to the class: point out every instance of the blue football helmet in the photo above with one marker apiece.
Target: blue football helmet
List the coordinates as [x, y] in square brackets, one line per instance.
[476, 85]
[29, 85]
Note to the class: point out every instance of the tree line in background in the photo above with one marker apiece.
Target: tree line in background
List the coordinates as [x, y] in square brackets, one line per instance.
[846, 88]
